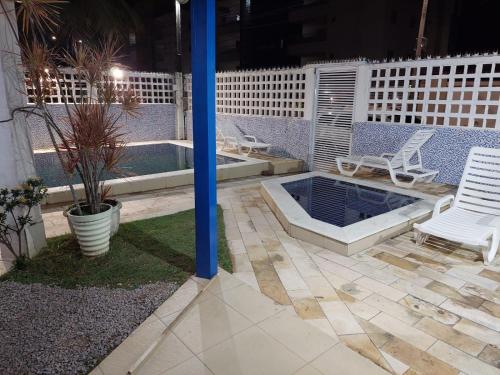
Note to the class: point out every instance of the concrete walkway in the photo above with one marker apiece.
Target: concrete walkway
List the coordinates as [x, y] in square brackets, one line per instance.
[407, 309]
[232, 329]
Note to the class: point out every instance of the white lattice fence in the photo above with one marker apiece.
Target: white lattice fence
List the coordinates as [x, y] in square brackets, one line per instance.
[155, 88]
[442, 92]
[279, 92]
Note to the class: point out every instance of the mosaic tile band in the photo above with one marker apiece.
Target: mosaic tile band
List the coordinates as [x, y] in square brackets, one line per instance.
[446, 151]
[155, 122]
[289, 137]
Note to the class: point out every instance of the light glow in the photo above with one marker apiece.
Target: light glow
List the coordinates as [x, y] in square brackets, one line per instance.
[116, 72]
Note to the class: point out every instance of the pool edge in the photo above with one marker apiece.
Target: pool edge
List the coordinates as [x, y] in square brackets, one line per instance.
[247, 167]
[298, 226]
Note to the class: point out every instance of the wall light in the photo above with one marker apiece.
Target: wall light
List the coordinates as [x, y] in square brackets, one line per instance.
[116, 72]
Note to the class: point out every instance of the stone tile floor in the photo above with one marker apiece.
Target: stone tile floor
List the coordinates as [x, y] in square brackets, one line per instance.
[227, 327]
[432, 309]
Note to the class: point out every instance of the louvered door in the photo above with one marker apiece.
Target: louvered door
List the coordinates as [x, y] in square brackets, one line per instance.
[334, 110]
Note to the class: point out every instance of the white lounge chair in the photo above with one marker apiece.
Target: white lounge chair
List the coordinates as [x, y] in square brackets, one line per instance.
[474, 216]
[398, 164]
[248, 142]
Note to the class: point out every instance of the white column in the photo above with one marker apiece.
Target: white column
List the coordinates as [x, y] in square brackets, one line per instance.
[16, 155]
[179, 105]
[361, 94]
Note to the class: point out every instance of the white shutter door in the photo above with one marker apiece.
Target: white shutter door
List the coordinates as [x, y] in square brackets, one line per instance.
[334, 110]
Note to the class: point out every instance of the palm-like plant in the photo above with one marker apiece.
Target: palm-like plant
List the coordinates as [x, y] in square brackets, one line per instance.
[91, 142]
[93, 146]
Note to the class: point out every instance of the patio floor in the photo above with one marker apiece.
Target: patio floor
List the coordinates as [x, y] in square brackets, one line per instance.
[409, 309]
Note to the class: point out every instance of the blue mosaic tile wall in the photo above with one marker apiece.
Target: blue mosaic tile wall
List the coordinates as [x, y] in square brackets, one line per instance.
[156, 122]
[289, 137]
[446, 151]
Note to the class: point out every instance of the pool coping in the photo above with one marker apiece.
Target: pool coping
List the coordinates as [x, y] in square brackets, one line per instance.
[138, 184]
[350, 239]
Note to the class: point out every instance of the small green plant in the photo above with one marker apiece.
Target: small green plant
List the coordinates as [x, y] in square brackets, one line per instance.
[16, 206]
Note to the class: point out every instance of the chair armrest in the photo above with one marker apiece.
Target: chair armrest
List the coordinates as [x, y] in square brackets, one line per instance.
[250, 138]
[376, 159]
[440, 203]
[231, 141]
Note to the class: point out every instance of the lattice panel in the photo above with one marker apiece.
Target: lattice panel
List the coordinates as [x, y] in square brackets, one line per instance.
[279, 93]
[441, 92]
[70, 86]
[154, 88]
[262, 93]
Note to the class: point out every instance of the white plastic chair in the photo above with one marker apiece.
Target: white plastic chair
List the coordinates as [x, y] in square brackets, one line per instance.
[474, 216]
[247, 141]
[398, 164]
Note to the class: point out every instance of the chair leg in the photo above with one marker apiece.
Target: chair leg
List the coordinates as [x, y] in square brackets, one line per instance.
[347, 173]
[406, 185]
[420, 237]
[431, 178]
[489, 253]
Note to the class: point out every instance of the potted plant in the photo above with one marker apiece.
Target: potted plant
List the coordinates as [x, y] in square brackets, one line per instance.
[93, 144]
[89, 142]
[16, 208]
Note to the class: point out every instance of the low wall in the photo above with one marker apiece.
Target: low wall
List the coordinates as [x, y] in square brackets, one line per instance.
[446, 151]
[289, 137]
[155, 122]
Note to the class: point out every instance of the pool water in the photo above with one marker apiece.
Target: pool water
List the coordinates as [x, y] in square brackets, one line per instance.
[342, 203]
[138, 161]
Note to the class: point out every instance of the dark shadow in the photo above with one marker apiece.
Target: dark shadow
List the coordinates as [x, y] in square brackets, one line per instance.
[147, 243]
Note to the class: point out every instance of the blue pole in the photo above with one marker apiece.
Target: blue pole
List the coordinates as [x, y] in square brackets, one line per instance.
[205, 173]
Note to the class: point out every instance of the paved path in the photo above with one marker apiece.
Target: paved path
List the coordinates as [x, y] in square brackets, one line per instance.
[233, 329]
[408, 309]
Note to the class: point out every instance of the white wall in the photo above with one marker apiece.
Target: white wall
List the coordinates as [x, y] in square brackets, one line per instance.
[16, 157]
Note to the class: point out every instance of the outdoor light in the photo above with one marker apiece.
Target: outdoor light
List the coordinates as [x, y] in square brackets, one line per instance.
[80, 41]
[116, 72]
[53, 37]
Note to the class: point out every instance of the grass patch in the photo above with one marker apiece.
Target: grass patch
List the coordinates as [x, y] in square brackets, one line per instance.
[143, 251]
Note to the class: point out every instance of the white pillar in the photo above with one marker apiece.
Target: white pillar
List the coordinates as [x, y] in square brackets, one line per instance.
[16, 155]
[179, 105]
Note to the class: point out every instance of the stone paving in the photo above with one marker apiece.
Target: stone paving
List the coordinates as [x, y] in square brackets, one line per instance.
[232, 329]
[431, 309]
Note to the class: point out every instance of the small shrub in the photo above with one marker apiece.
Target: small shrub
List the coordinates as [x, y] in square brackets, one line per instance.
[16, 208]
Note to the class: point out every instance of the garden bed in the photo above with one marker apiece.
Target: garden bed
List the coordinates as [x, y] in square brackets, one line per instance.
[64, 313]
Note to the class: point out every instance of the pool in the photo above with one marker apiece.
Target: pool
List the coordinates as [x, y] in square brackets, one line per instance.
[139, 160]
[343, 203]
[343, 214]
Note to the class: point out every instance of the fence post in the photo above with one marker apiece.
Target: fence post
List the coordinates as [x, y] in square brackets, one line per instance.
[360, 113]
[180, 127]
[310, 93]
